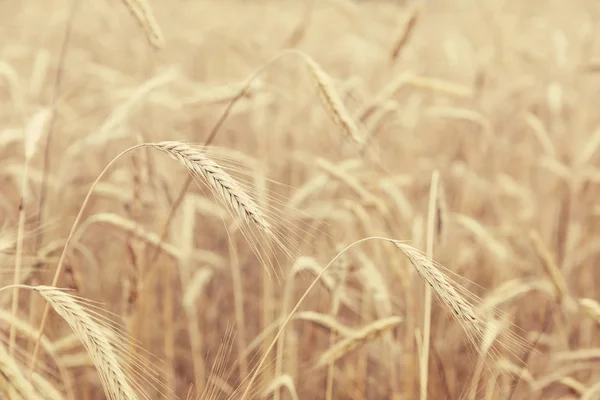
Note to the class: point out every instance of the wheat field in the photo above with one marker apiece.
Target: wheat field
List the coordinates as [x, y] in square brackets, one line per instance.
[333, 199]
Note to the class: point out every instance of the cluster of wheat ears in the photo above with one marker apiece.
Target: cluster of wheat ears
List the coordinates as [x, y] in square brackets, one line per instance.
[347, 333]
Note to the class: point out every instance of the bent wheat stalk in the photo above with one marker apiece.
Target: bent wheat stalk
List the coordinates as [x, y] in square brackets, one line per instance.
[332, 103]
[223, 186]
[442, 286]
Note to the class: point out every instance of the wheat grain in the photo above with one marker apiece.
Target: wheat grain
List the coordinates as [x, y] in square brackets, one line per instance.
[282, 381]
[326, 321]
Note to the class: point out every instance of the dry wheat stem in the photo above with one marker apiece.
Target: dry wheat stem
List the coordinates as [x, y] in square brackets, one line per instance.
[33, 132]
[332, 102]
[591, 308]
[424, 361]
[63, 255]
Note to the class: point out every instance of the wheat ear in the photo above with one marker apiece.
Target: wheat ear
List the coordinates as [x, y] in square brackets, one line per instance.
[332, 101]
[142, 12]
[364, 335]
[114, 381]
[440, 284]
[222, 184]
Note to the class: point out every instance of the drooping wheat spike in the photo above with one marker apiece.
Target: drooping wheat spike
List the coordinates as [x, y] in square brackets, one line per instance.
[364, 335]
[115, 382]
[142, 12]
[285, 381]
[223, 185]
[440, 284]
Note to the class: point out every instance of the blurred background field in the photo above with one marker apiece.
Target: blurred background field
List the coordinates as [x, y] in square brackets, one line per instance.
[499, 97]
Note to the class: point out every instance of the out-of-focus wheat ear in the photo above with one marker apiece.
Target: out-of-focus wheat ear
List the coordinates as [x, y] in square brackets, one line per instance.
[285, 381]
[430, 238]
[13, 383]
[406, 33]
[142, 12]
[550, 267]
[300, 31]
[116, 384]
[363, 336]
[223, 185]
[326, 321]
[332, 101]
[591, 308]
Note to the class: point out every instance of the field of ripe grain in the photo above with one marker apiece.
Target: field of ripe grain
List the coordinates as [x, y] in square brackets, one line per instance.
[286, 200]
